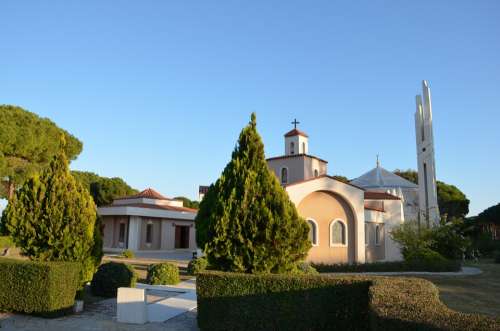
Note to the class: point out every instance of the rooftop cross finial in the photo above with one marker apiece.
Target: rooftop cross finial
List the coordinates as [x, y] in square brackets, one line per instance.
[378, 161]
[295, 122]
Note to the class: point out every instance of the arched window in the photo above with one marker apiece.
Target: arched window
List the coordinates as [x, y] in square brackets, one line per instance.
[338, 233]
[303, 148]
[377, 235]
[316, 174]
[313, 231]
[292, 148]
[366, 234]
[284, 176]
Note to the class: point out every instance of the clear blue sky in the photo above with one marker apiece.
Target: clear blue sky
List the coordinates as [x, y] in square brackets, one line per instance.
[159, 90]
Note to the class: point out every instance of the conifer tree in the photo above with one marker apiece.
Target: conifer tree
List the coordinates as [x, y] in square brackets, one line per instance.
[52, 217]
[246, 222]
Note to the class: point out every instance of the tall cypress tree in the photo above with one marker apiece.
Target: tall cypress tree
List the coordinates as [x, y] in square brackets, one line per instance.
[246, 222]
[52, 217]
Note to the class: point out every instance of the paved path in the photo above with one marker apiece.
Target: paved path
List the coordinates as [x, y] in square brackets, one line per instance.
[466, 271]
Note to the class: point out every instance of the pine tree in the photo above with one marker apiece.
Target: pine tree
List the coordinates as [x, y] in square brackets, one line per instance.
[52, 217]
[246, 222]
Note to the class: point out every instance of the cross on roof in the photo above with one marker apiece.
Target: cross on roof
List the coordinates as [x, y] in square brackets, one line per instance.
[295, 122]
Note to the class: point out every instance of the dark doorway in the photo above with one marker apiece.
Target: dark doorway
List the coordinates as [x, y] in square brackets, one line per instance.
[181, 236]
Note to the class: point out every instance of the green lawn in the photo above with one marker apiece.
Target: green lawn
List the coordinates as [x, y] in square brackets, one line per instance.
[472, 294]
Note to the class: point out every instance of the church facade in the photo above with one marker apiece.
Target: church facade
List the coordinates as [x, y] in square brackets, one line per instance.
[347, 222]
[351, 222]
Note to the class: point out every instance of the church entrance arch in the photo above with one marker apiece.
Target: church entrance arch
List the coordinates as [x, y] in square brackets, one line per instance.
[335, 227]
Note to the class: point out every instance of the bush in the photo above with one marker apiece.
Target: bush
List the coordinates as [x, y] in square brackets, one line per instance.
[197, 265]
[128, 254]
[304, 268]
[46, 288]
[5, 242]
[396, 266]
[231, 301]
[110, 276]
[163, 274]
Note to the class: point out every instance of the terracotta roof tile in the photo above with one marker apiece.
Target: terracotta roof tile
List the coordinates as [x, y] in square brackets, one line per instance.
[296, 132]
[380, 196]
[148, 193]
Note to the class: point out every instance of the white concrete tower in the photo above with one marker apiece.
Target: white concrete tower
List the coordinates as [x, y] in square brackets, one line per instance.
[427, 190]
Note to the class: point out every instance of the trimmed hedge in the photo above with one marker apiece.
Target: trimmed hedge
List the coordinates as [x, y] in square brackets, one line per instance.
[163, 274]
[230, 301]
[110, 276]
[46, 288]
[397, 266]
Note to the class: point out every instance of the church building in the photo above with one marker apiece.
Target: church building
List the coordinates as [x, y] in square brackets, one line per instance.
[351, 222]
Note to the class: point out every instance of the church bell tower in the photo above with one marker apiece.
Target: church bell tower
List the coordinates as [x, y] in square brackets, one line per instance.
[427, 190]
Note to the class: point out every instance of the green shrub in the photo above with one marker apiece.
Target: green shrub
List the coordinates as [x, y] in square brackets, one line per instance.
[231, 301]
[396, 266]
[197, 265]
[304, 268]
[110, 276]
[163, 274]
[5, 242]
[128, 254]
[45, 288]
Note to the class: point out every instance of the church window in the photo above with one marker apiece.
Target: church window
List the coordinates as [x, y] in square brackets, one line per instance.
[303, 148]
[377, 235]
[149, 233]
[284, 176]
[316, 174]
[366, 235]
[338, 233]
[313, 231]
[292, 148]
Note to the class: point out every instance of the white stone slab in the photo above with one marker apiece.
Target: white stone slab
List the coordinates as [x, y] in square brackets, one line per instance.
[131, 305]
[166, 309]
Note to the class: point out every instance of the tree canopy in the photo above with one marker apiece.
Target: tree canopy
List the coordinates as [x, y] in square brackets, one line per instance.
[103, 189]
[490, 215]
[27, 145]
[53, 218]
[342, 179]
[452, 202]
[246, 221]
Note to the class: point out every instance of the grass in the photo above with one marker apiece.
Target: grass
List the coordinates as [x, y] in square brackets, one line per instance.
[472, 294]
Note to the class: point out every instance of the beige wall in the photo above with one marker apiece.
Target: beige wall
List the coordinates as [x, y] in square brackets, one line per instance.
[156, 234]
[325, 207]
[168, 234]
[374, 252]
[112, 231]
[299, 168]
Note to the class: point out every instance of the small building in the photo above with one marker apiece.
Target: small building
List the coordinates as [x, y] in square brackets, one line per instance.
[148, 221]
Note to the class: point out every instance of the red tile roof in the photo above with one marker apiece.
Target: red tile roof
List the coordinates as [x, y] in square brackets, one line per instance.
[148, 193]
[296, 132]
[374, 208]
[149, 206]
[380, 196]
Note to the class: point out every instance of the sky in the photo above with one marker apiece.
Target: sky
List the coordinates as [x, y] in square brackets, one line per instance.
[158, 91]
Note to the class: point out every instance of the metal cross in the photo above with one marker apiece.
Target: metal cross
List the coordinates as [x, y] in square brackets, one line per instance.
[295, 122]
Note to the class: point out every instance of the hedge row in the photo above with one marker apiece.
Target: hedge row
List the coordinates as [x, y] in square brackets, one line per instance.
[397, 266]
[229, 301]
[37, 287]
